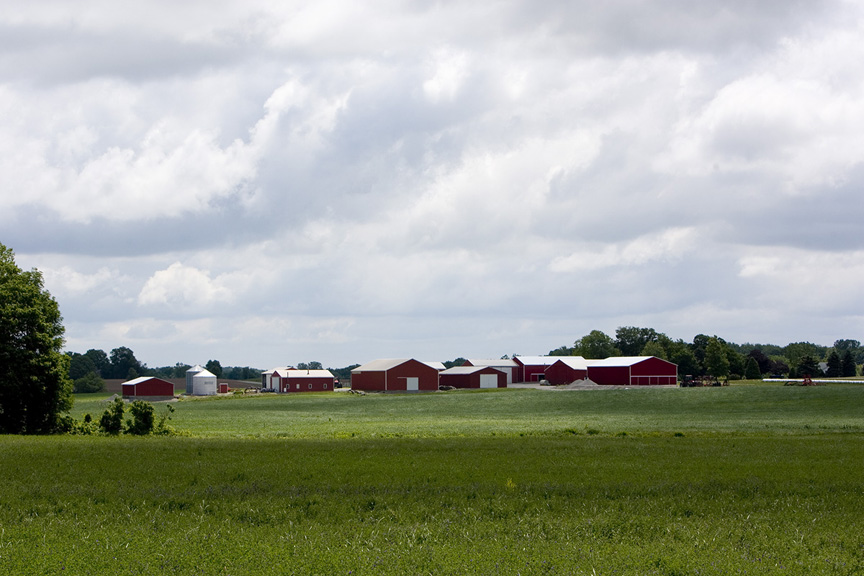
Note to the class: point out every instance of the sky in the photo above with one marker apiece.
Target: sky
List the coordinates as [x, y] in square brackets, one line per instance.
[266, 183]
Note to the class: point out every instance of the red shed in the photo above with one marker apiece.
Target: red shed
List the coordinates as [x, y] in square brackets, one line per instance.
[473, 377]
[532, 368]
[148, 388]
[288, 380]
[395, 375]
[567, 369]
[509, 367]
[633, 371]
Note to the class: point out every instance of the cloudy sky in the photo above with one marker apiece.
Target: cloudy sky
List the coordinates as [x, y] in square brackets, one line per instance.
[266, 183]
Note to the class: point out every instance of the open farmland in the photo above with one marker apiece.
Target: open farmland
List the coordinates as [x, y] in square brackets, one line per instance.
[762, 480]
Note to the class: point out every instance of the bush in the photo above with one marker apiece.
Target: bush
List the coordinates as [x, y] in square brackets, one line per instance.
[143, 419]
[112, 419]
[91, 382]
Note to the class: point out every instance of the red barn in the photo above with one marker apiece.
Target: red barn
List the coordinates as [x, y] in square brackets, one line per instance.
[567, 369]
[532, 368]
[288, 380]
[148, 388]
[473, 377]
[395, 375]
[633, 371]
[509, 367]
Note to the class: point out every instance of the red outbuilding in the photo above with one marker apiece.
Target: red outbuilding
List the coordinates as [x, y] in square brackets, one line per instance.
[395, 375]
[288, 380]
[148, 388]
[509, 367]
[473, 377]
[567, 369]
[633, 371]
[532, 368]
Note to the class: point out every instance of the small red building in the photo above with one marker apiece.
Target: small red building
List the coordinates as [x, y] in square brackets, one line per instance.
[532, 368]
[567, 369]
[509, 367]
[633, 371]
[395, 375]
[473, 377]
[288, 380]
[148, 388]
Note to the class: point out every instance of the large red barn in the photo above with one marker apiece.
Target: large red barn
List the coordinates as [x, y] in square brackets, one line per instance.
[395, 375]
[473, 377]
[148, 388]
[633, 371]
[567, 369]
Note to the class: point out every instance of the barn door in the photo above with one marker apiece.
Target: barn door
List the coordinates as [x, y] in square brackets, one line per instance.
[488, 381]
[412, 383]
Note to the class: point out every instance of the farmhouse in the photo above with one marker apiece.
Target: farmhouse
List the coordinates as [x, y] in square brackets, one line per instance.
[148, 388]
[200, 382]
[508, 367]
[567, 369]
[473, 377]
[532, 368]
[290, 380]
[395, 375]
[633, 371]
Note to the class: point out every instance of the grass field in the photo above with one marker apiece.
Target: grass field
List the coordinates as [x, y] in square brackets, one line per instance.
[738, 480]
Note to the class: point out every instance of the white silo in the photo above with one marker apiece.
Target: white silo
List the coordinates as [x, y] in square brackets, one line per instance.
[189, 374]
[204, 383]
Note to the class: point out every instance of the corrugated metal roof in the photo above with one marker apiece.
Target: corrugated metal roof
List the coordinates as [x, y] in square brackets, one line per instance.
[436, 365]
[203, 374]
[463, 370]
[493, 363]
[539, 360]
[575, 362]
[305, 374]
[138, 380]
[380, 364]
[618, 361]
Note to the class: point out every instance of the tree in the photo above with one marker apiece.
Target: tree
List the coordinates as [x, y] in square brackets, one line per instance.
[807, 366]
[100, 360]
[654, 348]
[314, 365]
[34, 384]
[751, 369]
[214, 367]
[143, 418]
[681, 354]
[848, 367]
[835, 365]
[630, 340]
[763, 362]
[595, 345]
[111, 421]
[716, 361]
[123, 361]
[451, 363]
[90, 382]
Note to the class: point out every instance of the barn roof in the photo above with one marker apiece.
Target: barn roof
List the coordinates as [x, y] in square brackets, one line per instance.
[538, 360]
[388, 363]
[466, 370]
[141, 379]
[575, 362]
[495, 363]
[619, 361]
[292, 373]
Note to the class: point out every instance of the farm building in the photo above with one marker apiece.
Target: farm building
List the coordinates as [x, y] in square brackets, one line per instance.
[507, 366]
[270, 378]
[148, 388]
[200, 382]
[532, 368]
[473, 377]
[395, 375]
[290, 380]
[633, 371]
[567, 369]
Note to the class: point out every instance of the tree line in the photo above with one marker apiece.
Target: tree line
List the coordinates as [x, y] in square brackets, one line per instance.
[714, 356]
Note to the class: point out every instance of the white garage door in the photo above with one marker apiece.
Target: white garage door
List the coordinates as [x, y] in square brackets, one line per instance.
[412, 383]
[488, 381]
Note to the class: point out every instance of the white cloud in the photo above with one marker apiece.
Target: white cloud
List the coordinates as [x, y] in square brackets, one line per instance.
[184, 286]
[668, 245]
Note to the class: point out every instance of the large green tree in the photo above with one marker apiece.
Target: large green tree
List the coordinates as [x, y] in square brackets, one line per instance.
[630, 340]
[716, 360]
[595, 345]
[34, 383]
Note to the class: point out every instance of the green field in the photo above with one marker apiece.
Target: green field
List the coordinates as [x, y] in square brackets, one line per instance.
[738, 480]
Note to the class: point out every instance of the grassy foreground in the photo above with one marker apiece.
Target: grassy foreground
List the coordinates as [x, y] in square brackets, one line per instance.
[535, 491]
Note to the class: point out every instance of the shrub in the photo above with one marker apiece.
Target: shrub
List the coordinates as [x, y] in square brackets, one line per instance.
[112, 419]
[91, 382]
[143, 419]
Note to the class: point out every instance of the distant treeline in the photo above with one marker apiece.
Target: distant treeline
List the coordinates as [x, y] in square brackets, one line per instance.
[714, 356]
